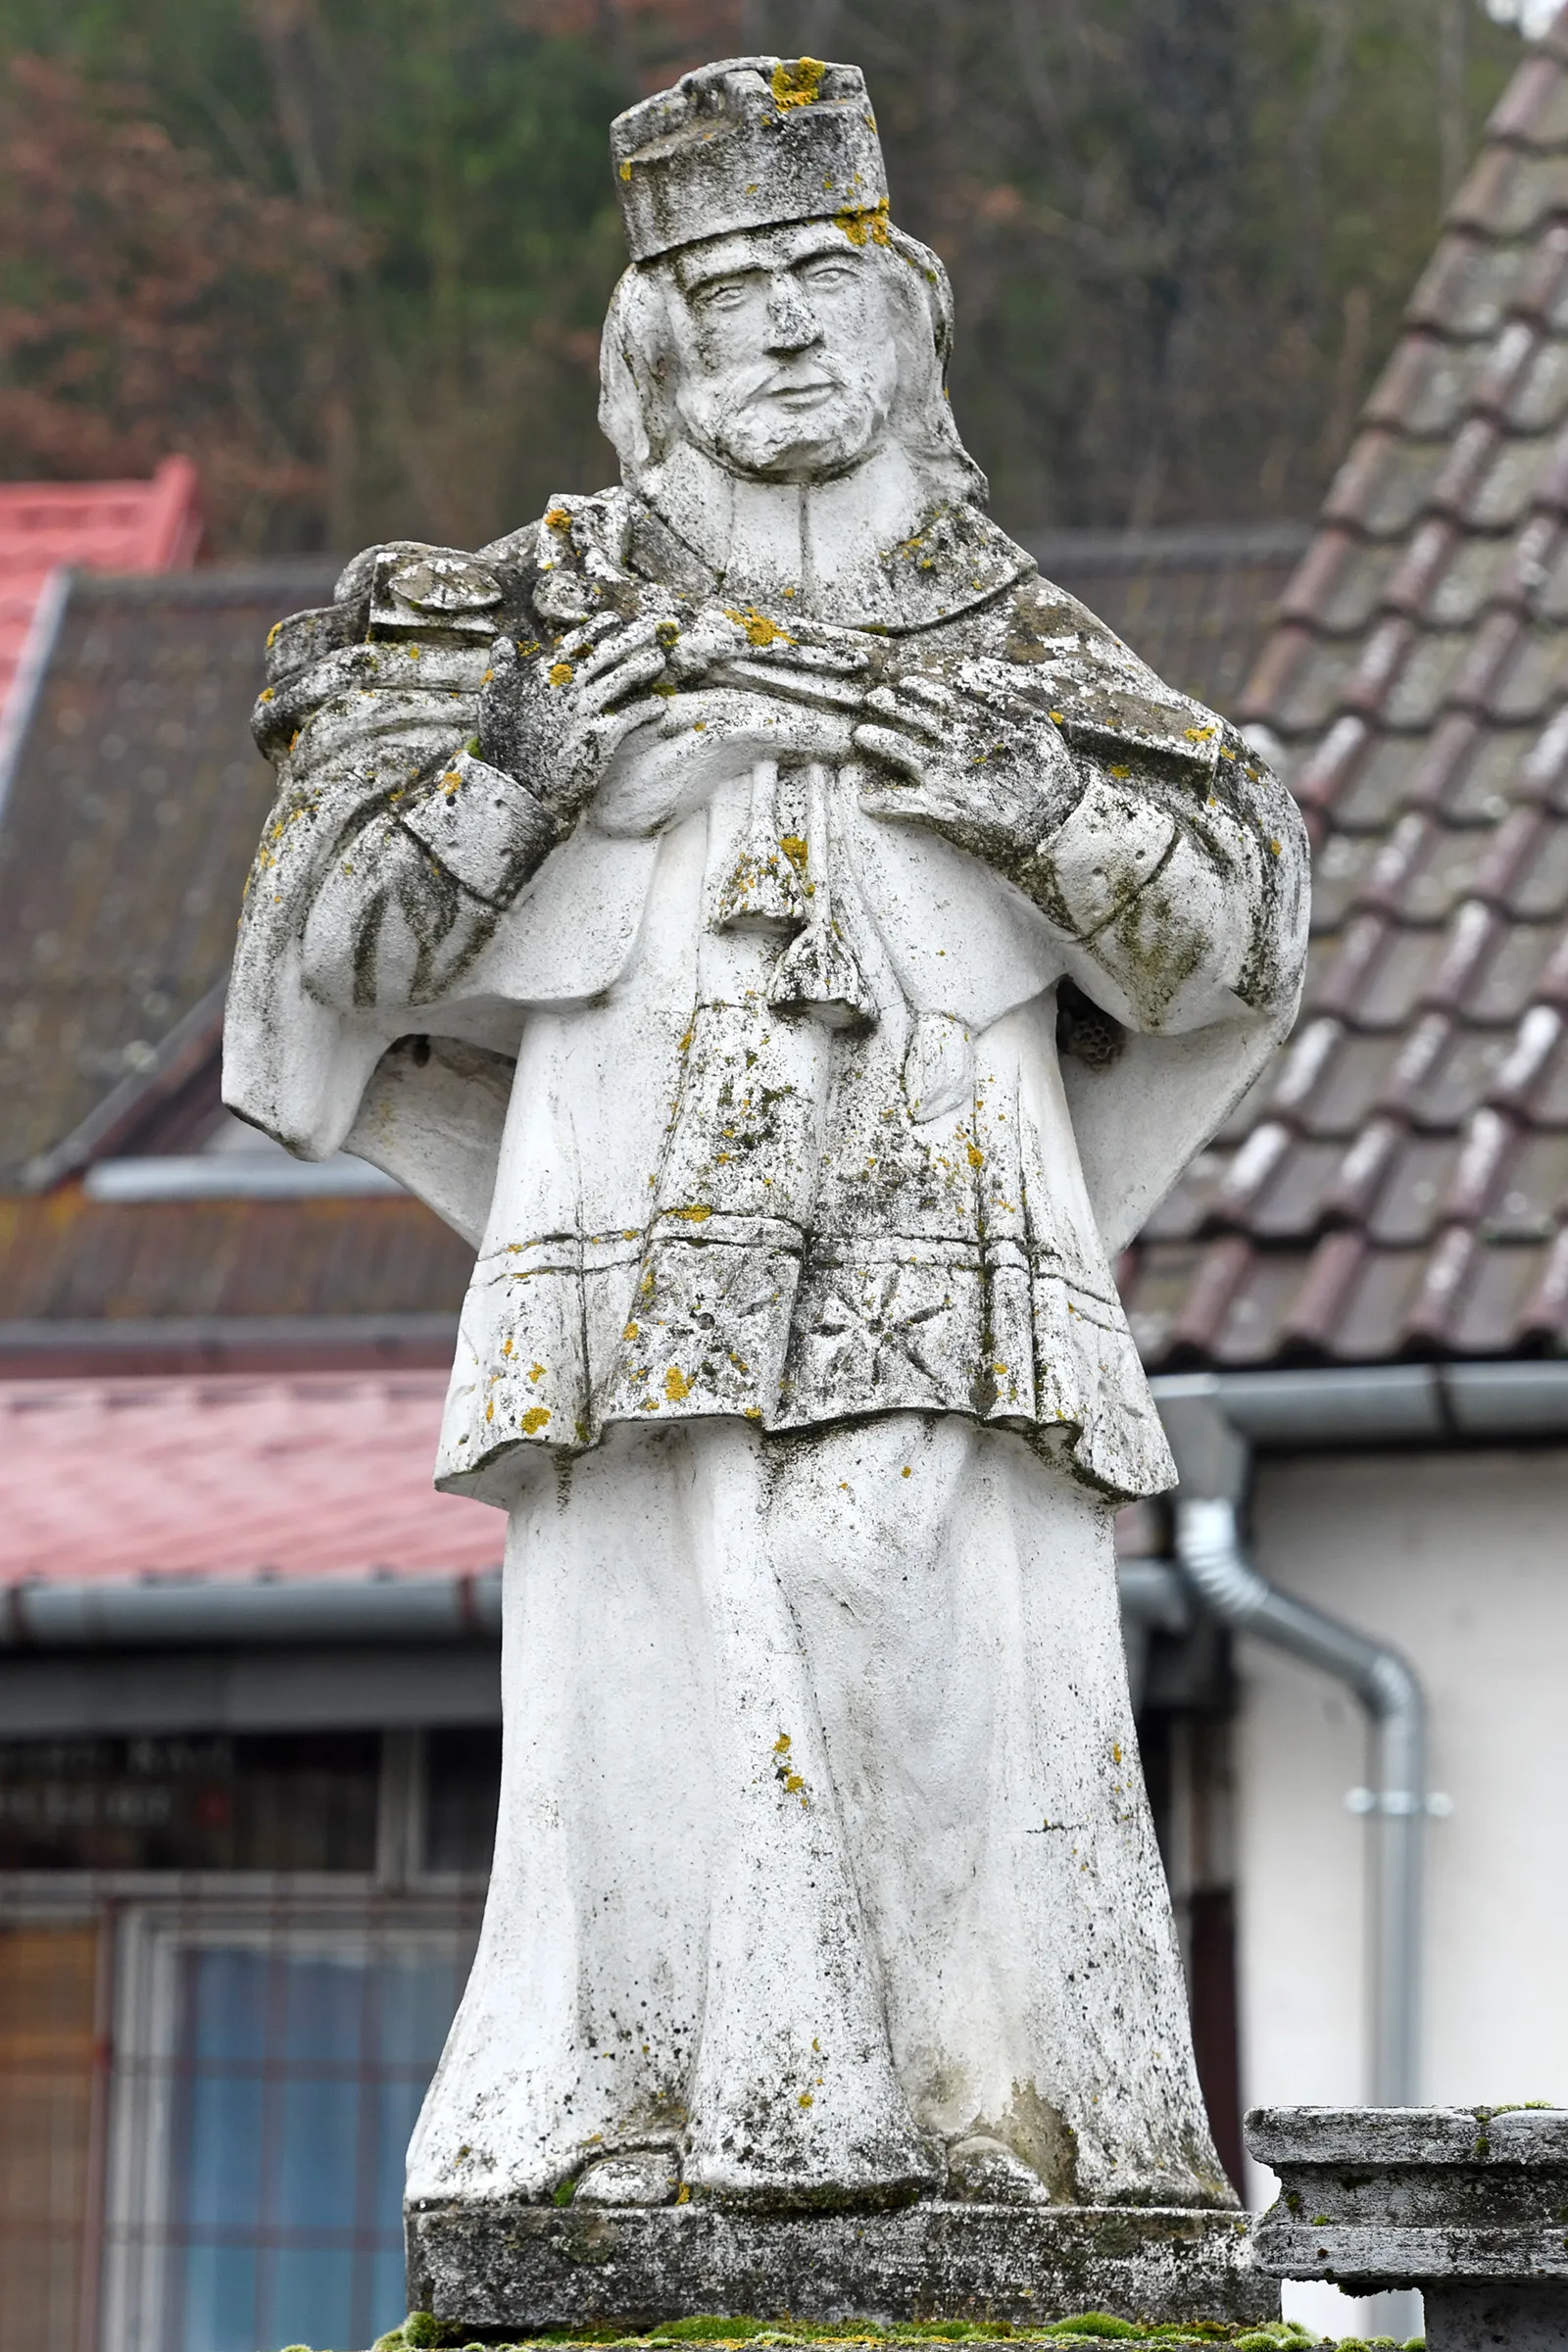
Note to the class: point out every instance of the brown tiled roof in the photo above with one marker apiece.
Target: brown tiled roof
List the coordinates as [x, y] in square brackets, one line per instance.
[134, 803]
[65, 1255]
[1396, 1183]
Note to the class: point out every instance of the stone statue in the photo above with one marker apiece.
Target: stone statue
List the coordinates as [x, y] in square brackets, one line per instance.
[795, 944]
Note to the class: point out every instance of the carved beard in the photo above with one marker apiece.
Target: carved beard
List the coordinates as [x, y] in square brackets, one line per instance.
[730, 417]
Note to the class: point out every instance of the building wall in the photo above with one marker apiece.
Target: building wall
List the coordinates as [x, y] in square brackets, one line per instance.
[1461, 1558]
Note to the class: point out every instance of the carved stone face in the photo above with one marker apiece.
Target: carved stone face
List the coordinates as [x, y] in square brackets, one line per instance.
[785, 349]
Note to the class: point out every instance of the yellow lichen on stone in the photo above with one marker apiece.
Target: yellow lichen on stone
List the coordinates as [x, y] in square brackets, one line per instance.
[558, 520]
[797, 84]
[759, 629]
[626, 171]
[866, 223]
[676, 1385]
[534, 1419]
[698, 1213]
[559, 673]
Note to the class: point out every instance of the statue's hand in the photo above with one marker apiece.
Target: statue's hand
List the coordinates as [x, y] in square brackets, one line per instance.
[936, 767]
[555, 721]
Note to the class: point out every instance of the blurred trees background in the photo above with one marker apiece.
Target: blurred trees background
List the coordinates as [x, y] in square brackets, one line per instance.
[353, 254]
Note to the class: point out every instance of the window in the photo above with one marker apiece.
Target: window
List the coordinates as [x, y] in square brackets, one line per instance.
[267, 2078]
[461, 1790]
[267, 1801]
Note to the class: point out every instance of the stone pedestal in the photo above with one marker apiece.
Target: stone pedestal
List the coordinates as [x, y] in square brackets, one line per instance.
[1468, 2204]
[529, 2267]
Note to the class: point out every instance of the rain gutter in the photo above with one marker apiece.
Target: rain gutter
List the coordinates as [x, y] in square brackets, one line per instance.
[1214, 1421]
[172, 1614]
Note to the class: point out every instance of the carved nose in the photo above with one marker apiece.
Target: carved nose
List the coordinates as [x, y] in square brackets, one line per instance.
[791, 322]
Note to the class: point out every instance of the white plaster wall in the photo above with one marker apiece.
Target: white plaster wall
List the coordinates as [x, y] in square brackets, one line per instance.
[1461, 1558]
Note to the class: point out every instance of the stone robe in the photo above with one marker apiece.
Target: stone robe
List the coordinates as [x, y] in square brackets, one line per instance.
[822, 1841]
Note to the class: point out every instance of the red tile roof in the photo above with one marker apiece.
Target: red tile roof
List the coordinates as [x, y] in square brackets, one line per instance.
[88, 527]
[312, 1476]
[1397, 1184]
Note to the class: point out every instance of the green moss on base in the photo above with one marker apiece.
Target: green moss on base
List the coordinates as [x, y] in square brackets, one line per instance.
[422, 2330]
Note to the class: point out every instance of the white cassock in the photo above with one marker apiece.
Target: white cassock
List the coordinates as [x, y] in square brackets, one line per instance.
[794, 1354]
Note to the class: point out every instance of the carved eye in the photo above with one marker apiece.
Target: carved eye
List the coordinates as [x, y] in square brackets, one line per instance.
[727, 295]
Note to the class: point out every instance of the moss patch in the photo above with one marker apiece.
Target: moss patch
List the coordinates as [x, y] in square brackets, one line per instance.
[421, 2329]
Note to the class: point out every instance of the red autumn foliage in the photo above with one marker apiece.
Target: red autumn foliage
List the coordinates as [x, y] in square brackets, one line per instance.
[148, 304]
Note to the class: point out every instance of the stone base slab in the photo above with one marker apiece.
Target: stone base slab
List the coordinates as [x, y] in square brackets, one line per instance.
[1467, 2203]
[517, 2268]
[1531, 2318]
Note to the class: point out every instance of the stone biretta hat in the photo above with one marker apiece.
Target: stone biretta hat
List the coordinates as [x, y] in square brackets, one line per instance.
[751, 142]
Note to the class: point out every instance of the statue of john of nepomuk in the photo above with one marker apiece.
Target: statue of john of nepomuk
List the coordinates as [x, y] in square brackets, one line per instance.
[795, 944]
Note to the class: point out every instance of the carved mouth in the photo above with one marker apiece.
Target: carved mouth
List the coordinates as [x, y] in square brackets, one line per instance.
[809, 395]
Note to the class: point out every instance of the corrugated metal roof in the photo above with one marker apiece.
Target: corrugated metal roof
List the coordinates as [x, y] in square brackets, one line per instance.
[1397, 1185]
[97, 527]
[314, 1476]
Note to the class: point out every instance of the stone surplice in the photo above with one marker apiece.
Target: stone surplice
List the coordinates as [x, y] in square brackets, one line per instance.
[795, 944]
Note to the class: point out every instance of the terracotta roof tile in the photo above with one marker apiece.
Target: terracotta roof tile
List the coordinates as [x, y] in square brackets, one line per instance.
[1497, 493]
[1538, 399]
[1536, 680]
[1409, 1191]
[1510, 193]
[1250, 1333]
[1458, 1077]
[1427, 385]
[1438, 1302]
[1534, 108]
[1327, 1281]
[1343, 870]
[1317, 687]
[1426, 681]
[1468, 286]
[1490, 1315]
[1512, 974]
[1375, 1306]
[1155, 1279]
[1355, 1081]
[1291, 1205]
[1544, 1310]
[1479, 788]
[1385, 484]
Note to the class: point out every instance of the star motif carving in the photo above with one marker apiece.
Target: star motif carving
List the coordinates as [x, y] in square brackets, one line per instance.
[874, 1324]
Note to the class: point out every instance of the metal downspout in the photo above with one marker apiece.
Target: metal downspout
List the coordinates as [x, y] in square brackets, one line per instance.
[1213, 1461]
